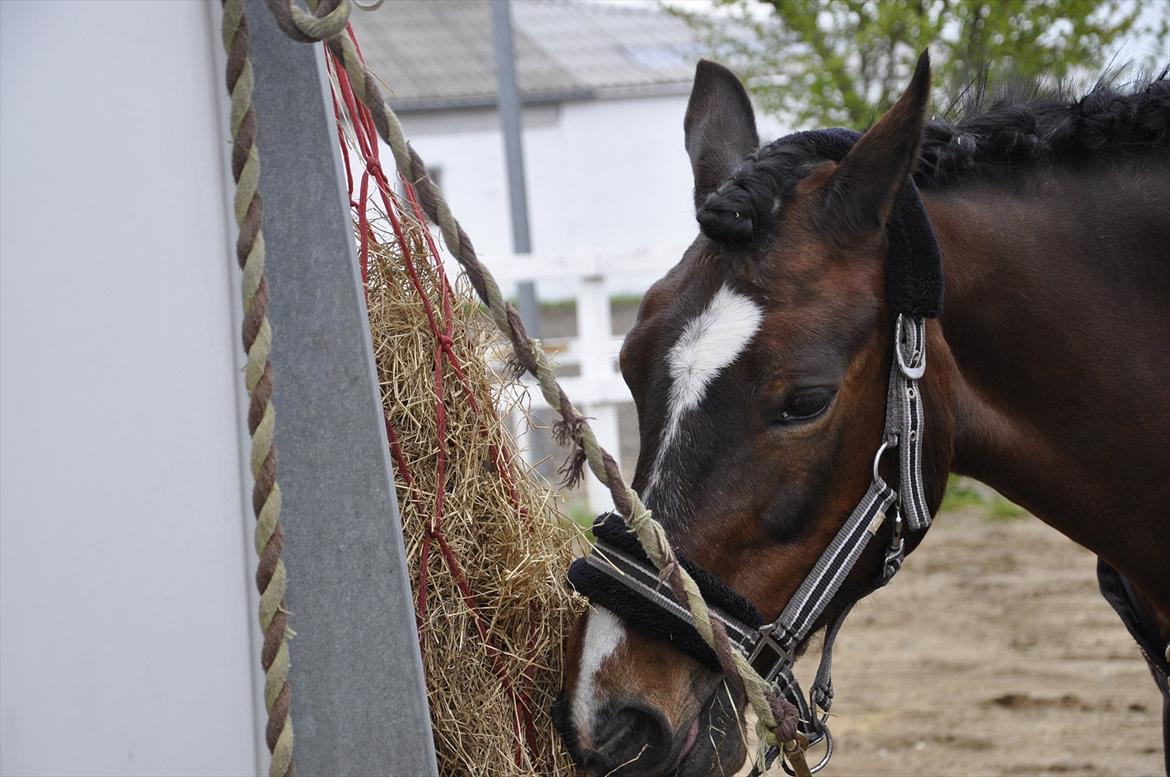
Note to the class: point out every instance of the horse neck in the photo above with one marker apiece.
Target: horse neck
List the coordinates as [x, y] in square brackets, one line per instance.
[1055, 333]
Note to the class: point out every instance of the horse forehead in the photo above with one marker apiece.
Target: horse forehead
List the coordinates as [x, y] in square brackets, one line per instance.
[699, 328]
[698, 307]
[708, 342]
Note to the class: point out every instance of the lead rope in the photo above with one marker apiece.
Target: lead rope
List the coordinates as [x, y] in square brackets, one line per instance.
[258, 379]
[327, 23]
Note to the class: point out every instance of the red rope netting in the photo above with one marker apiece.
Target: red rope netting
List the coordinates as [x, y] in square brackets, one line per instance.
[349, 111]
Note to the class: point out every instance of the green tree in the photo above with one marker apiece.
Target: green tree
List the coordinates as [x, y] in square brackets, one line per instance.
[843, 61]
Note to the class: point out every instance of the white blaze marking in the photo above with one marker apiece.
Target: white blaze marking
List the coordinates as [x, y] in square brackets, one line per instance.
[709, 343]
[603, 633]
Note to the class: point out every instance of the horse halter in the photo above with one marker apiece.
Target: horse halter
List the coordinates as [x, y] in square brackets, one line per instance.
[617, 575]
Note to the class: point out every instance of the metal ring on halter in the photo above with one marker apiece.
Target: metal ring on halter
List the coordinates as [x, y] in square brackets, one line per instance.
[821, 764]
[822, 725]
[370, 5]
[889, 442]
[917, 367]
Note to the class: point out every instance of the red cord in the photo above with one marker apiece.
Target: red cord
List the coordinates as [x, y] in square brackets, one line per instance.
[441, 323]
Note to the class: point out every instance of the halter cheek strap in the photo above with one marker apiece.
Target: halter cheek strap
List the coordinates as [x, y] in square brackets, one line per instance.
[904, 417]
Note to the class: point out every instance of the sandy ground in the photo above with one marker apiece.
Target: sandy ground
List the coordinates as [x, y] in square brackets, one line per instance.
[992, 653]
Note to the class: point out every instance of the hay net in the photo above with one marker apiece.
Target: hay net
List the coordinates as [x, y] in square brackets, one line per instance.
[486, 545]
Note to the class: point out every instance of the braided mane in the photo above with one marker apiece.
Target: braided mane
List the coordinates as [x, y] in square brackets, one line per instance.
[1023, 133]
[1012, 136]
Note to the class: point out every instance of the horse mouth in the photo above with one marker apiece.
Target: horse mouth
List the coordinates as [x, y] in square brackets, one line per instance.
[689, 742]
[713, 744]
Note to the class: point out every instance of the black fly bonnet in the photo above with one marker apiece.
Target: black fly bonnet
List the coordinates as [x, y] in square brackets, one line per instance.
[618, 576]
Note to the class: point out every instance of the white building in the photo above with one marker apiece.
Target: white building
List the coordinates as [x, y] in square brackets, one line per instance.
[604, 89]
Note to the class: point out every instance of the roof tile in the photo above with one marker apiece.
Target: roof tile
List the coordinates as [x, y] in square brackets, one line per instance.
[440, 54]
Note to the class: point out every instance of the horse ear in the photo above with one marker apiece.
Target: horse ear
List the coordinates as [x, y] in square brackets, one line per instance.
[861, 191]
[720, 127]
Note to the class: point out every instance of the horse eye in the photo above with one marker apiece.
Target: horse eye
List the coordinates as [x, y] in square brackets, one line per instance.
[806, 404]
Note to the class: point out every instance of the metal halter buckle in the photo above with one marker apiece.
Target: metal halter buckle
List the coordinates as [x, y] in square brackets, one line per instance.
[917, 366]
[768, 655]
[895, 551]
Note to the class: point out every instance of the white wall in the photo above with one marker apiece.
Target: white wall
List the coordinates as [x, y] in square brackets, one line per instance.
[125, 619]
[601, 175]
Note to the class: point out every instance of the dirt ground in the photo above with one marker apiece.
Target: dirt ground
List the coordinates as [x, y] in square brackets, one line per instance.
[992, 653]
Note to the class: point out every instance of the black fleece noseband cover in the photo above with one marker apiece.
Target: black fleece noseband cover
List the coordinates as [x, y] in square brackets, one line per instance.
[642, 615]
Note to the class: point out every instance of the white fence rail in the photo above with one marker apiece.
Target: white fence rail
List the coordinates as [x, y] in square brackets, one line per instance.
[598, 389]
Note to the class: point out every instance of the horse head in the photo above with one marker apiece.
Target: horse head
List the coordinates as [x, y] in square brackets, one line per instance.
[759, 368]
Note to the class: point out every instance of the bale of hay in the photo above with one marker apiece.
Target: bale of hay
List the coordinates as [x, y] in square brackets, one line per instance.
[486, 544]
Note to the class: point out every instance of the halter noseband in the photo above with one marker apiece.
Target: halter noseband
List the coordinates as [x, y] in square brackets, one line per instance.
[617, 568]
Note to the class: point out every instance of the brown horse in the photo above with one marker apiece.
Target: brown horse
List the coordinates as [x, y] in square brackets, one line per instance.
[759, 364]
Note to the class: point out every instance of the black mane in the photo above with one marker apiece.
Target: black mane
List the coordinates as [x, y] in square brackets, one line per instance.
[1014, 135]
[1020, 133]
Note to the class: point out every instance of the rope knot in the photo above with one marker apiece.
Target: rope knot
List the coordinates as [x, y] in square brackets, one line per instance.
[787, 716]
[329, 18]
[374, 168]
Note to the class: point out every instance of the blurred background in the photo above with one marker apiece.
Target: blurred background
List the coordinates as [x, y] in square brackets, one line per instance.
[126, 603]
[598, 177]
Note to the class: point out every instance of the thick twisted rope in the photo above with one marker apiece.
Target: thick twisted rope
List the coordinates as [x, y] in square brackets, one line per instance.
[257, 336]
[572, 426]
[329, 18]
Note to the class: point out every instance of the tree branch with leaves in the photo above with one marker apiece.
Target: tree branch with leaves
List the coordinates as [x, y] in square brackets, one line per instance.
[840, 62]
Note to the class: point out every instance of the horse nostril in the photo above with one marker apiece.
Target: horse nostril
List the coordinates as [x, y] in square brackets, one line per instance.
[634, 737]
